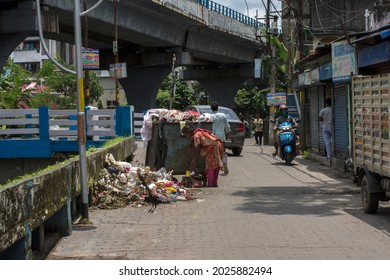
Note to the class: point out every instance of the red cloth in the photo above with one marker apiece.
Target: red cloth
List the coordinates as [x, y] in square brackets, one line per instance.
[212, 177]
[193, 113]
[211, 147]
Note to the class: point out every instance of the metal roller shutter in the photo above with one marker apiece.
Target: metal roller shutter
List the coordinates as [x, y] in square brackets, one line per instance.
[313, 112]
[321, 105]
[340, 113]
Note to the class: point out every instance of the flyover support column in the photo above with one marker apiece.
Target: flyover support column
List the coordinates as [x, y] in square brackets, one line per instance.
[223, 90]
[142, 84]
[221, 84]
[8, 43]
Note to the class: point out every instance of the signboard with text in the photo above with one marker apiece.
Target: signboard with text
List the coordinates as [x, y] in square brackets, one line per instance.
[90, 58]
[315, 75]
[257, 70]
[343, 61]
[376, 54]
[118, 70]
[292, 105]
[276, 99]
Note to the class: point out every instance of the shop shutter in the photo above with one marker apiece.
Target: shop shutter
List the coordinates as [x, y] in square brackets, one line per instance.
[340, 121]
[313, 124]
[321, 105]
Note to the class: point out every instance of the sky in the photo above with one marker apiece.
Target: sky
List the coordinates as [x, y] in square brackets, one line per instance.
[253, 5]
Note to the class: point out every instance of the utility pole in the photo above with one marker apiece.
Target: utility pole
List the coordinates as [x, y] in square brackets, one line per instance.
[86, 72]
[289, 43]
[81, 133]
[267, 18]
[173, 91]
[301, 40]
[115, 50]
[271, 47]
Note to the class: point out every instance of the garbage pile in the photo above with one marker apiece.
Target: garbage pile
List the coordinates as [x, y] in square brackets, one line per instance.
[156, 115]
[119, 185]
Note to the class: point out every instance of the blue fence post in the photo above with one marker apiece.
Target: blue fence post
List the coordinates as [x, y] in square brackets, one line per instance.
[73, 118]
[86, 109]
[123, 121]
[44, 123]
[28, 125]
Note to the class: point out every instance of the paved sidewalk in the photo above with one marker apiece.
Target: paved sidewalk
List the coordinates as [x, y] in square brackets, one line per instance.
[262, 210]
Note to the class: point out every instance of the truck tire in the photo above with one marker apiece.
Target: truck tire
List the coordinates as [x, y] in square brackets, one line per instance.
[370, 201]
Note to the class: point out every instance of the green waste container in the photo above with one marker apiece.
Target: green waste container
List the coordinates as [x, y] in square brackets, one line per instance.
[171, 150]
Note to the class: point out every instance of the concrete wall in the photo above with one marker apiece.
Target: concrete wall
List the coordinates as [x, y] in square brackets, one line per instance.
[210, 18]
[30, 206]
[12, 168]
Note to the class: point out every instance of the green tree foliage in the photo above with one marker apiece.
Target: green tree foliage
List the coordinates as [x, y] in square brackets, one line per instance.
[281, 62]
[250, 101]
[202, 98]
[65, 84]
[183, 95]
[61, 94]
[96, 89]
[58, 80]
[163, 97]
[12, 77]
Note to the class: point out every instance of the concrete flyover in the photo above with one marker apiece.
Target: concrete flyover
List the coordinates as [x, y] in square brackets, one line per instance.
[205, 36]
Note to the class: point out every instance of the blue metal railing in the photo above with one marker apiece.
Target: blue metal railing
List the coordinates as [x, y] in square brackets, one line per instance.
[213, 6]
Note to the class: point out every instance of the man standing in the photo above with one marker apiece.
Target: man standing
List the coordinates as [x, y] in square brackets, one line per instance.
[258, 127]
[326, 118]
[220, 128]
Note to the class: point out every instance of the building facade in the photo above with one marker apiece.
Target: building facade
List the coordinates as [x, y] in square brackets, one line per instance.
[336, 55]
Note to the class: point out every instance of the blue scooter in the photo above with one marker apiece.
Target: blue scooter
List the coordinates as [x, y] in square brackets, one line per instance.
[287, 142]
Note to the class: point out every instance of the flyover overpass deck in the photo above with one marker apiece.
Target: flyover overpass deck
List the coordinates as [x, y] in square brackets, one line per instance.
[149, 32]
[206, 29]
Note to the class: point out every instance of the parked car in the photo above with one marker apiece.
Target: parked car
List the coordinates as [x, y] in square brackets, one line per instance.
[236, 138]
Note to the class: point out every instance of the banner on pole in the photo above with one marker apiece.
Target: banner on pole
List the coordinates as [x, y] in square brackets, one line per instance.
[118, 70]
[276, 99]
[90, 58]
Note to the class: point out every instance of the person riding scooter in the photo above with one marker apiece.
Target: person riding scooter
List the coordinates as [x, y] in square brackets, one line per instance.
[284, 117]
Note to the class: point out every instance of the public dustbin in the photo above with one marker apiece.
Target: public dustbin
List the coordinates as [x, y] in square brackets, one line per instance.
[168, 148]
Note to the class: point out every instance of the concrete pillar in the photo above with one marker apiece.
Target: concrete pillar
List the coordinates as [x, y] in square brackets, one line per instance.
[222, 90]
[8, 43]
[142, 84]
[221, 84]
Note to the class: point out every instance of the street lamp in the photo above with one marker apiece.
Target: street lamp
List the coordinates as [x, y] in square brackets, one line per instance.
[247, 8]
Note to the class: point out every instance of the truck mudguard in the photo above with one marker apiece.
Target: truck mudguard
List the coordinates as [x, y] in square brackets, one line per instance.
[374, 185]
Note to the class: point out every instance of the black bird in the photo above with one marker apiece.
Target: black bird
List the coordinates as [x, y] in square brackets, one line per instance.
[154, 200]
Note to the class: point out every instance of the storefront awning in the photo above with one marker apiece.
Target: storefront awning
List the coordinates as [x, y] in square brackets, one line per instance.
[383, 34]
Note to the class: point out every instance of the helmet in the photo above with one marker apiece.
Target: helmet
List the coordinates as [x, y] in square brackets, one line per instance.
[283, 107]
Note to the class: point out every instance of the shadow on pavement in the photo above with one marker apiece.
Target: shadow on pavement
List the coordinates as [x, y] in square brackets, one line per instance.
[294, 200]
[380, 220]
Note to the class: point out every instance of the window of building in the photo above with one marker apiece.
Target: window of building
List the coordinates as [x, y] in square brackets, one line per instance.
[32, 67]
[111, 104]
[31, 45]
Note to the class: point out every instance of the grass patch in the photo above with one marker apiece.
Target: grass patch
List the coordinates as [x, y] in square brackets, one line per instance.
[306, 154]
[30, 175]
[113, 141]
